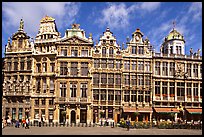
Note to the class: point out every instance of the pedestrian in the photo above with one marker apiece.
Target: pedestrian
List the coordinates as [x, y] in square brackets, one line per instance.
[24, 122]
[2, 123]
[27, 124]
[128, 124]
[39, 122]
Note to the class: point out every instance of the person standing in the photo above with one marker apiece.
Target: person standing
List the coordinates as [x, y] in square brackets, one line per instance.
[128, 124]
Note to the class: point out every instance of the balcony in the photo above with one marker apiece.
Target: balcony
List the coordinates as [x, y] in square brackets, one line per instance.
[180, 98]
[110, 102]
[73, 99]
[103, 102]
[13, 94]
[83, 100]
[95, 102]
[117, 102]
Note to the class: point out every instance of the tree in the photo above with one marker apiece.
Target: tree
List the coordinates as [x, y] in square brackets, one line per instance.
[136, 114]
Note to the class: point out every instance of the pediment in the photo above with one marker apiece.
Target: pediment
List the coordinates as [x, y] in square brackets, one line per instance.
[20, 35]
[75, 40]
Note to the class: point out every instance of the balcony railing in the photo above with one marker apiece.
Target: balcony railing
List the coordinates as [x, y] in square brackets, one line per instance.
[73, 99]
[83, 99]
[179, 98]
[110, 102]
[117, 102]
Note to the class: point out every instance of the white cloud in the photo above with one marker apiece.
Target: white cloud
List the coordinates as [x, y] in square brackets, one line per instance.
[33, 12]
[196, 10]
[149, 6]
[118, 15]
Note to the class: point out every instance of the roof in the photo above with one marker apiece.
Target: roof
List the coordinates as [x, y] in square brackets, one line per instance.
[194, 110]
[174, 34]
[166, 110]
[46, 19]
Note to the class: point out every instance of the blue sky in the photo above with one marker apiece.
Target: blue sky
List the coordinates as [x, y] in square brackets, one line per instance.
[153, 18]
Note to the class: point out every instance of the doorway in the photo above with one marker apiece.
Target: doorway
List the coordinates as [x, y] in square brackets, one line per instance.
[73, 116]
[83, 116]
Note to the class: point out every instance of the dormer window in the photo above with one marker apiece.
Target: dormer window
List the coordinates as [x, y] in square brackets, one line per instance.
[111, 51]
[111, 42]
[104, 51]
[141, 50]
[64, 52]
[74, 53]
[104, 41]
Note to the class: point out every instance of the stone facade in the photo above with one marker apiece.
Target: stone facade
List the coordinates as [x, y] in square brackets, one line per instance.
[71, 79]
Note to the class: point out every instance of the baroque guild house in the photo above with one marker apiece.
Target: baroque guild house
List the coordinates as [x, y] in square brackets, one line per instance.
[70, 79]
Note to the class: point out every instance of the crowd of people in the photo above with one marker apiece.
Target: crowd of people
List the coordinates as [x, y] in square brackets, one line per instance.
[7, 122]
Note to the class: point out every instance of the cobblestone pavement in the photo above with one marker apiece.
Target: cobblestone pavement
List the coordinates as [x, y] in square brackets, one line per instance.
[96, 131]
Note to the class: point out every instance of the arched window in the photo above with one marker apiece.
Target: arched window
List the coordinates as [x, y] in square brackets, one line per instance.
[111, 51]
[104, 51]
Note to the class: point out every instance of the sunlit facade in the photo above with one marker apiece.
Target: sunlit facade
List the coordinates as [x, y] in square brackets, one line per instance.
[70, 79]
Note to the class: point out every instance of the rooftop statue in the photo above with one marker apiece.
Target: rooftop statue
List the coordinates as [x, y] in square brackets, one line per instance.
[21, 24]
[75, 26]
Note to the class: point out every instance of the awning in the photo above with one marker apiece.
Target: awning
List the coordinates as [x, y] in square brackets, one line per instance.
[133, 109]
[166, 110]
[194, 110]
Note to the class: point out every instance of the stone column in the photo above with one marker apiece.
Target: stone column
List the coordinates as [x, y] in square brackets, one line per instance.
[68, 116]
[47, 110]
[77, 114]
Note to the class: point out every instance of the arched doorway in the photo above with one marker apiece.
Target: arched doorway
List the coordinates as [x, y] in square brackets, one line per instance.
[73, 116]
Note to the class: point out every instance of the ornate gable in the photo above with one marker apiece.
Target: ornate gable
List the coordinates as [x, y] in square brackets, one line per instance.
[75, 40]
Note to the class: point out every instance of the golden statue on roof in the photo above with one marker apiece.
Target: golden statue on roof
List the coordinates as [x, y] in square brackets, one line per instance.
[21, 24]
[75, 26]
[47, 18]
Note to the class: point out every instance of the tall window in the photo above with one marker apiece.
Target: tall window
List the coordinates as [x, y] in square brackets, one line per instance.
[171, 49]
[44, 67]
[13, 113]
[22, 64]
[110, 63]
[9, 66]
[117, 95]
[118, 64]
[172, 88]
[96, 79]
[103, 51]
[20, 113]
[103, 95]
[127, 65]
[140, 80]
[164, 69]
[134, 80]
[96, 63]
[126, 96]
[38, 86]
[63, 68]
[44, 85]
[117, 79]
[110, 51]
[195, 70]
[52, 67]
[84, 68]
[52, 85]
[189, 69]
[133, 49]
[95, 94]
[110, 95]
[127, 79]
[38, 68]
[64, 52]
[133, 65]
[74, 52]
[157, 68]
[133, 96]
[141, 50]
[29, 64]
[16, 64]
[147, 96]
[195, 90]
[147, 81]
[84, 53]
[103, 78]
[73, 89]
[43, 101]
[74, 69]
[180, 89]
[83, 90]
[157, 87]
[172, 68]
[110, 79]
[147, 65]
[63, 89]
[189, 85]
[103, 63]
[164, 88]
[140, 96]
[140, 65]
